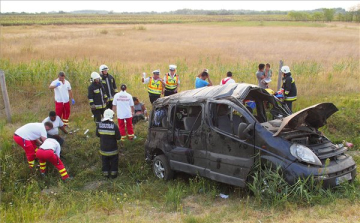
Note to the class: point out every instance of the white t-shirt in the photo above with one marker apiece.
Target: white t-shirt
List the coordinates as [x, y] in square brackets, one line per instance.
[61, 92]
[31, 131]
[56, 124]
[230, 81]
[123, 102]
[147, 80]
[52, 144]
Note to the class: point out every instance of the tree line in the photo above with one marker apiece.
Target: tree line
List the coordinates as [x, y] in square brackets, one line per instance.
[327, 15]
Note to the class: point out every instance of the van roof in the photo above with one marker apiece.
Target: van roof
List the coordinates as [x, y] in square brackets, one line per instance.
[214, 92]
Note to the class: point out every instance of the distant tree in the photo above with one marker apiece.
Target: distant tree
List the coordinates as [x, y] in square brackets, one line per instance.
[340, 17]
[317, 16]
[355, 12]
[111, 12]
[329, 14]
[61, 12]
[299, 16]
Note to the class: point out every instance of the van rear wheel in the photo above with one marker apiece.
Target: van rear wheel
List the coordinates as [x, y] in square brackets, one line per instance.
[162, 168]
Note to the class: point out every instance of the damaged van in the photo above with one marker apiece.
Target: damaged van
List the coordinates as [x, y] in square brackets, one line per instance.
[213, 132]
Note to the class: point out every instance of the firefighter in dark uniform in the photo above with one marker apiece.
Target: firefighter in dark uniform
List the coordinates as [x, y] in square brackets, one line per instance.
[172, 81]
[109, 134]
[109, 84]
[289, 87]
[97, 97]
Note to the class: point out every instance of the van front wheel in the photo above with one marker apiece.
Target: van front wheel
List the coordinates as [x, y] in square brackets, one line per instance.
[162, 168]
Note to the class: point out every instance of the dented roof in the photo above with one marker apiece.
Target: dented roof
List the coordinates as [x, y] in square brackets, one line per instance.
[214, 92]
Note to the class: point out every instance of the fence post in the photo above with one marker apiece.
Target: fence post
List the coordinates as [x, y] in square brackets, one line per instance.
[5, 96]
[280, 75]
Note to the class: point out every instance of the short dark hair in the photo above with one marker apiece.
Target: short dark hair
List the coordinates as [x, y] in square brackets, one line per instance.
[52, 114]
[261, 66]
[268, 64]
[49, 124]
[229, 74]
[123, 87]
[135, 99]
[61, 73]
[204, 74]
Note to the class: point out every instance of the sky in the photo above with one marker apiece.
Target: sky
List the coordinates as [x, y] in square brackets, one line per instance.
[164, 6]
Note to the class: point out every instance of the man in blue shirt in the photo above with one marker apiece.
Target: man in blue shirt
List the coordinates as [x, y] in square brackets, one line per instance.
[200, 79]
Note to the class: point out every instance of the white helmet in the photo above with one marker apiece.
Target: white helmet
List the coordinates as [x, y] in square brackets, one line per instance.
[172, 67]
[285, 69]
[102, 68]
[95, 75]
[108, 115]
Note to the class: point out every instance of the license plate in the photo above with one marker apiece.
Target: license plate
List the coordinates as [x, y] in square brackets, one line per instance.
[344, 178]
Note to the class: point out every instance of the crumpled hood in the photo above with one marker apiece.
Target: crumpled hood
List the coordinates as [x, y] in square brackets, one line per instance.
[314, 116]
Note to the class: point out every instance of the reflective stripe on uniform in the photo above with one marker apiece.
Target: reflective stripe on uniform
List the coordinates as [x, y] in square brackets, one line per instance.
[155, 87]
[108, 153]
[290, 98]
[91, 100]
[171, 82]
[106, 132]
[97, 91]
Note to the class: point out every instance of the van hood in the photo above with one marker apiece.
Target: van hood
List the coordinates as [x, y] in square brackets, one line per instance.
[314, 116]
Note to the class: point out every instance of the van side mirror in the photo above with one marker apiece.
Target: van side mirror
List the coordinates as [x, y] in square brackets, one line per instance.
[244, 130]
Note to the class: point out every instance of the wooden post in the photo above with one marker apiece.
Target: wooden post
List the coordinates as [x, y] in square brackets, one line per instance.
[5, 96]
[280, 75]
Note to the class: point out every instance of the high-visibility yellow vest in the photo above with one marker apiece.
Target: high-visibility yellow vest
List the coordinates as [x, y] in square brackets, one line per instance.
[171, 82]
[155, 87]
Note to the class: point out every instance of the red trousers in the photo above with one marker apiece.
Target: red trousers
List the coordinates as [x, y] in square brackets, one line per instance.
[29, 147]
[129, 128]
[63, 111]
[49, 155]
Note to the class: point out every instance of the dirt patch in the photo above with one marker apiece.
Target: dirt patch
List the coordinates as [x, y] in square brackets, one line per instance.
[93, 185]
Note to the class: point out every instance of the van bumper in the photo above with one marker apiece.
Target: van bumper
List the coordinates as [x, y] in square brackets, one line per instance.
[329, 175]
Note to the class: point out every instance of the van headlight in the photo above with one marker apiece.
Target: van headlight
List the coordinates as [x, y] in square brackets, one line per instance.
[304, 154]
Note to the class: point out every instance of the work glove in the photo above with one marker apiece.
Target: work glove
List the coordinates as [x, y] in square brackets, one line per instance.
[93, 107]
[58, 84]
[73, 101]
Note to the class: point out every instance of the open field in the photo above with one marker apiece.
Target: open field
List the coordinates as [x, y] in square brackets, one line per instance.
[325, 64]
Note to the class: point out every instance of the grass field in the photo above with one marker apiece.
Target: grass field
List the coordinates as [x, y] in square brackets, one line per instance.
[324, 61]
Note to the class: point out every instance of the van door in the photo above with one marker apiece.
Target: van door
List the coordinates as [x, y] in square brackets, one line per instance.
[230, 159]
[187, 153]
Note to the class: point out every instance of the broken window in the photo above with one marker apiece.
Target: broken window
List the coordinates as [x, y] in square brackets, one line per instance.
[226, 118]
[186, 117]
[160, 117]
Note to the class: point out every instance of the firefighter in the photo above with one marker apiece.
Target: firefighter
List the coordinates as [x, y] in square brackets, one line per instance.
[97, 97]
[123, 105]
[109, 133]
[49, 151]
[172, 81]
[28, 135]
[63, 93]
[155, 85]
[288, 87]
[109, 84]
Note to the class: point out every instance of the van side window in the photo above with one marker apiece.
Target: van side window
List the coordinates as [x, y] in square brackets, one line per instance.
[160, 118]
[226, 118]
[186, 117]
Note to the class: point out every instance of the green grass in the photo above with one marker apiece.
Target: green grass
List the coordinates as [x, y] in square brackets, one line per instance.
[136, 193]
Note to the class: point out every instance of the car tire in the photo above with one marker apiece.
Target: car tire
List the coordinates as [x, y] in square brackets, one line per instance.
[162, 168]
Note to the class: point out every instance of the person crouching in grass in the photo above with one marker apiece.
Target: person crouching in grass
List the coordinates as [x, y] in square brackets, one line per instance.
[140, 111]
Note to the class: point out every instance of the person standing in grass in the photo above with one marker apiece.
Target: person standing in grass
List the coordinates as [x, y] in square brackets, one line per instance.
[172, 81]
[155, 85]
[201, 79]
[97, 97]
[63, 93]
[288, 87]
[123, 105]
[49, 151]
[109, 84]
[109, 133]
[228, 79]
[260, 75]
[57, 123]
[28, 135]
[267, 75]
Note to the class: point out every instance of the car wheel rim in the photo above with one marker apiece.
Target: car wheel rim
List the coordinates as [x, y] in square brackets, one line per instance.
[159, 169]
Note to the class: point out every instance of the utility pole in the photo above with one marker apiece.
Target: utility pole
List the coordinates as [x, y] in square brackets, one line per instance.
[5, 96]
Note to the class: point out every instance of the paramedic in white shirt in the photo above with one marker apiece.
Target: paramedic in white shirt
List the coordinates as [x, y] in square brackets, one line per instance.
[57, 123]
[63, 93]
[123, 105]
[228, 79]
